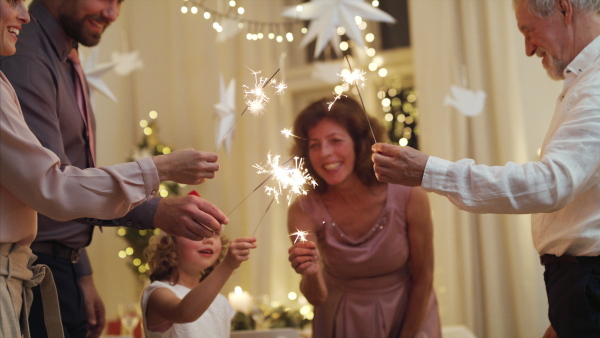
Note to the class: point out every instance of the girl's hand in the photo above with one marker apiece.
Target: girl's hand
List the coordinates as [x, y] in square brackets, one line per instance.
[305, 258]
[239, 251]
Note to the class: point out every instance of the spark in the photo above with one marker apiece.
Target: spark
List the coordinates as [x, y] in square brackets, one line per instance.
[256, 97]
[288, 133]
[349, 77]
[300, 235]
[353, 77]
[292, 179]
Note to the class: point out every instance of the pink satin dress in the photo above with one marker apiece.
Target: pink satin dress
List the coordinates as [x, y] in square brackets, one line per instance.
[368, 279]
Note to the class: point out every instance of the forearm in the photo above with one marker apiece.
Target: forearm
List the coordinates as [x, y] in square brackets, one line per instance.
[313, 287]
[418, 304]
[197, 301]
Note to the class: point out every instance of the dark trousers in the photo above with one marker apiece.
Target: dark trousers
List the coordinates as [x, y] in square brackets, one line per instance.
[573, 290]
[70, 299]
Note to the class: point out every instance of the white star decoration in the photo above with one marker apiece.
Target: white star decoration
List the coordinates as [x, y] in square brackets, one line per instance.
[327, 15]
[122, 64]
[225, 110]
[466, 101]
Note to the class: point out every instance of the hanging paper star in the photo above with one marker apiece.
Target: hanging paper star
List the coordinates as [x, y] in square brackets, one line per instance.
[466, 101]
[94, 72]
[327, 15]
[122, 63]
[126, 62]
[230, 29]
[225, 110]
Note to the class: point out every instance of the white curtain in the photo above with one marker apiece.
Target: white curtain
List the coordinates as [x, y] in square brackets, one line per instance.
[487, 275]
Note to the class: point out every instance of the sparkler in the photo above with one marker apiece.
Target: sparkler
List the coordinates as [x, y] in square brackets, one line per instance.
[256, 98]
[288, 133]
[300, 235]
[354, 77]
[292, 179]
[258, 186]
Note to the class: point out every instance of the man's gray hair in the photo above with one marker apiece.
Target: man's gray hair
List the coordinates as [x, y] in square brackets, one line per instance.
[544, 8]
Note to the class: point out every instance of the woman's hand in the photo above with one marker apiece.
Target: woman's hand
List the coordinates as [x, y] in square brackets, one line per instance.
[305, 258]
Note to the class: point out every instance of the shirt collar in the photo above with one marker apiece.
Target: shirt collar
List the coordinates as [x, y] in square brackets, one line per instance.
[583, 60]
[61, 42]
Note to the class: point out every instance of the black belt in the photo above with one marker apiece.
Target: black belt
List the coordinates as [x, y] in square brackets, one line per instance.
[57, 250]
[549, 259]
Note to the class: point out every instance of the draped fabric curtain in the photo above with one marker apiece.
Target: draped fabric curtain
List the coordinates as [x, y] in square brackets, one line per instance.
[487, 276]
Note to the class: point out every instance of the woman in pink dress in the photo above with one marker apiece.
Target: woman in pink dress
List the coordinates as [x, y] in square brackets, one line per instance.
[367, 266]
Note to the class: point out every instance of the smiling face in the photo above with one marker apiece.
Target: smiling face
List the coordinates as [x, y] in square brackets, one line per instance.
[85, 20]
[331, 152]
[13, 15]
[196, 256]
[545, 37]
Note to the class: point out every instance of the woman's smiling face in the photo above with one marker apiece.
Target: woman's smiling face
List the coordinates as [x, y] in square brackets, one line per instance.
[331, 151]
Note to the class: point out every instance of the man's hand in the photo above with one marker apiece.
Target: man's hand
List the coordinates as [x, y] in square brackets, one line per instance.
[550, 333]
[400, 165]
[187, 166]
[189, 216]
[94, 307]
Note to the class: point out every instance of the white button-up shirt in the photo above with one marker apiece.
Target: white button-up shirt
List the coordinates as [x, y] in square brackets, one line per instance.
[562, 189]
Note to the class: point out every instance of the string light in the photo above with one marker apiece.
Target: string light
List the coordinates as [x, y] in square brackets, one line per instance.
[286, 30]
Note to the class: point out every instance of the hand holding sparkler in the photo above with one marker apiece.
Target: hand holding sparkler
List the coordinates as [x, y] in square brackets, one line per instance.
[305, 258]
[239, 251]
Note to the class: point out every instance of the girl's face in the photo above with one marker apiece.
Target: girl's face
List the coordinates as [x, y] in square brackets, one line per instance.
[331, 151]
[196, 256]
[12, 16]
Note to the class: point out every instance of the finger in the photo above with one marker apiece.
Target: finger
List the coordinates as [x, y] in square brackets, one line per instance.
[209, 157]
[209, 167]
[210, 215]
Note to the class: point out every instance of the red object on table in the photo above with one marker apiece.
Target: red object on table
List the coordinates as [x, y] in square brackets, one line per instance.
[113, 327]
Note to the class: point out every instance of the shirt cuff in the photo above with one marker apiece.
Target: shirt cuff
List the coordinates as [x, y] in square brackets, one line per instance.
[150, 175]
[435, 173]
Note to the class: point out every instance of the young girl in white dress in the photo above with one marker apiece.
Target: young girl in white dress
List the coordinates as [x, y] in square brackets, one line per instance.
[183, 299]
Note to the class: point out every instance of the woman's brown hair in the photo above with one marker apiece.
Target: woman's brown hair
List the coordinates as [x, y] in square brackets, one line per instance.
[349, 114]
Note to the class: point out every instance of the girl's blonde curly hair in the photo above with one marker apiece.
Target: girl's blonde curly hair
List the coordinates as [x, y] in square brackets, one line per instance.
[163, 257]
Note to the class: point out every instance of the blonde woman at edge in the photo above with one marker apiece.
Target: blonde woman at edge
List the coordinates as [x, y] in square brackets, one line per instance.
[32, 180]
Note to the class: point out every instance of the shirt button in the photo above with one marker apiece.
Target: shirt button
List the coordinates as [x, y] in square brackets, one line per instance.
[129, 223]
[153, 192]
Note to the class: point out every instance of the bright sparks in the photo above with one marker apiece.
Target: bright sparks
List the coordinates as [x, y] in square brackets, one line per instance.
[355, 77]
[300, 235]
[290, 179]
[288, 133]
[256, 98]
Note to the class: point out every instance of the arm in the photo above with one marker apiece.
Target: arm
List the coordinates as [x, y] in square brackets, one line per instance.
[304, 256]
[569, 165]
[163, 305]
[94, 307]
[420, 238]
